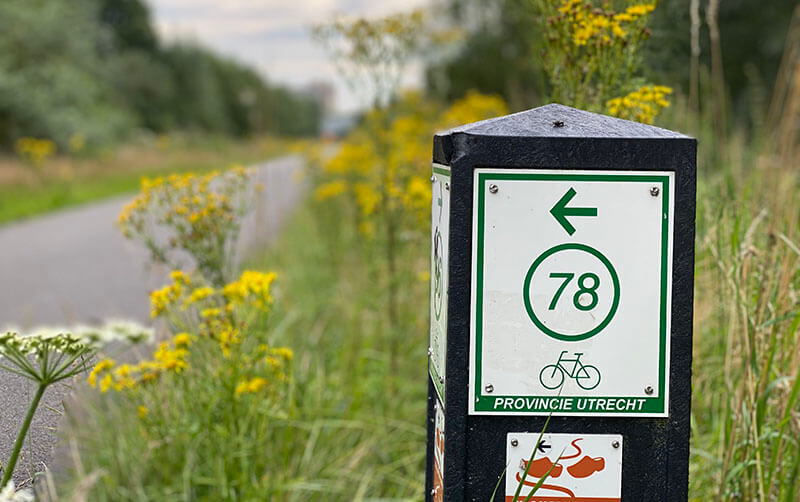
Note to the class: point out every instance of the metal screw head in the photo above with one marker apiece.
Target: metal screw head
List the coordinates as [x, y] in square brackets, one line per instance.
[447, 186]
[558, 123]
[433, 179]
[430, 351]
[441, 379]
[514, 443]
[654, 191]
[489, 388]
[615, 444]
[493, 188]
[648, 390]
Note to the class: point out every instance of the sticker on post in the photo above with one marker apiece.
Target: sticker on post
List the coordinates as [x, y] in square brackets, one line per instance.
[574, 467]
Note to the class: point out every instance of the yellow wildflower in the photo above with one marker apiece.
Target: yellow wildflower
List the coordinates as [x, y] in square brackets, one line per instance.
[180, 277]
[142, 412]
[182, 340]
[35, 150]
[252, 285]
[210, 313]
[250, 386]
[283, 352]
[367, 198]
[105, 364]
[330, 190]
[642, 105]
[273, 363]
[162, 299]
[106, 382]
[228, 336]
[640, 9]
[200, 294]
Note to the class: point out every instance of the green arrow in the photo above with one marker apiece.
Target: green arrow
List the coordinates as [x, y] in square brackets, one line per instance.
[560, 211]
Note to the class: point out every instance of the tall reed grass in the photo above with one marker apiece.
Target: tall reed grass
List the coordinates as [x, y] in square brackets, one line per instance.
[746, 371]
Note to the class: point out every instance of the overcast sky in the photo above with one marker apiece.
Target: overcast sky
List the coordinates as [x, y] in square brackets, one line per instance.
[270, 35]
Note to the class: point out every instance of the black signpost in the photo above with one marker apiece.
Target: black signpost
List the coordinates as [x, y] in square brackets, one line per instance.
[562, 270]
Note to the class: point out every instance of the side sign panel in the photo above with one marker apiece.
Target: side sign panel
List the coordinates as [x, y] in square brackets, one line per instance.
[588, 467]
[571, 295]
[440, 231]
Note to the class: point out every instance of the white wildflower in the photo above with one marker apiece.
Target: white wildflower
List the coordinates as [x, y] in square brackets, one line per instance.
[124, 330]
[75, 339]
[8, 494]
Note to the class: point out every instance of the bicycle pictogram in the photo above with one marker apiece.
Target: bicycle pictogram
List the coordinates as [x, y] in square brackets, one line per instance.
[438, 274]
[585, 375]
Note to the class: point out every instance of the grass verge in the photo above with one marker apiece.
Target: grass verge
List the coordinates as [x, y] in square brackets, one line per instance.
[345, 428]
[351, 428]
[26, 191]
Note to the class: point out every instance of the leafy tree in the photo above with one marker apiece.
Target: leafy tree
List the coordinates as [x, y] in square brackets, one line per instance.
[95, 69]
[49, 78]
[128, 22]
[498, 55]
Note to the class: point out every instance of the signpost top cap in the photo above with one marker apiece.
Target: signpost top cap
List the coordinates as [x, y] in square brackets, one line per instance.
[559, 121]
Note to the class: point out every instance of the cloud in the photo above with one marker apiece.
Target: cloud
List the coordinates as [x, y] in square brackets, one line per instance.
[273, 36]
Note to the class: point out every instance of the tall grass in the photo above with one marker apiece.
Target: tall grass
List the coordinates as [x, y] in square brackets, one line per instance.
[339, 434]
[746, 377]
[335, 434]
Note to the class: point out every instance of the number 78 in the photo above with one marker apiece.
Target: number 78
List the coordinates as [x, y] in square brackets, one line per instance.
[583, 288]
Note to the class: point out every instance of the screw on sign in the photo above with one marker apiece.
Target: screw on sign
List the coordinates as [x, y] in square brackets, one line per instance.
[570, 467]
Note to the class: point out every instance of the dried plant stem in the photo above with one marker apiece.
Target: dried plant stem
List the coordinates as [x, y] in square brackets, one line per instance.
[717, 72]
[694, 69]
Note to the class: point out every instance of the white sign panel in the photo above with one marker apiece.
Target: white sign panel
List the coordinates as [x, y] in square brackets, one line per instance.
[440, 230]
[575, 467]
[571, 290]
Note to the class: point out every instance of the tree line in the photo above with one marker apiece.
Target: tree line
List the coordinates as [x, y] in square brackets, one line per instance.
[96, 69]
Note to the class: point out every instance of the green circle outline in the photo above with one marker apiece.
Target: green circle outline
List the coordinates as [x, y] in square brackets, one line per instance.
[527, 286]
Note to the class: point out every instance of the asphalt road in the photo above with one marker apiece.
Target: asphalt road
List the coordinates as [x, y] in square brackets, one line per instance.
[74, 267]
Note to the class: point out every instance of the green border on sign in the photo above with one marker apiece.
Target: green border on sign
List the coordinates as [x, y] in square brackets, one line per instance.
[651, 405]
[441, 170]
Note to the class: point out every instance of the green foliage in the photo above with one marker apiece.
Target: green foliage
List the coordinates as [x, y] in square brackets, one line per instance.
[95, 68]
[128, 22]
[591, 52]
[498, 55]
[752, 34]
[49, 86]
[372, 54]
[501, 53]
[333, 434]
